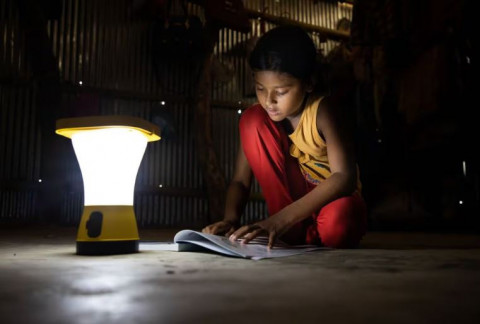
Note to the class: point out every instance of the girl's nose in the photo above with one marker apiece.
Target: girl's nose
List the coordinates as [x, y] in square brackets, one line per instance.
[271, 99]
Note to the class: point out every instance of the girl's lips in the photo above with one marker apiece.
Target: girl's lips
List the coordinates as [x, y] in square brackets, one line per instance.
[273, 112]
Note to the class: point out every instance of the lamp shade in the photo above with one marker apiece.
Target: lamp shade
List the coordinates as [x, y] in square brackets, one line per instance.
[109, 160]
[109, 150]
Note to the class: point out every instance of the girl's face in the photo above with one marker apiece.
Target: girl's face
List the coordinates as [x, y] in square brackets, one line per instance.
[280, 94]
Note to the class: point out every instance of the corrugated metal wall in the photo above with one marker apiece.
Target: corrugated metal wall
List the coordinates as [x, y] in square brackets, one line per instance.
[19, 152]
[105, 52]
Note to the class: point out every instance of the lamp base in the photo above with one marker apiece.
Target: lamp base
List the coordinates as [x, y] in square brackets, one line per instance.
[107, 247]
[107, 230]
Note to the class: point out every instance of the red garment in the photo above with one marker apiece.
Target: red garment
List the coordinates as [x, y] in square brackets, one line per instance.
[339, 224]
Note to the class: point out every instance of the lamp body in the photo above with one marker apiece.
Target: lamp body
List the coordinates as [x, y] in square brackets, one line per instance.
[107, 230]
[109, 158]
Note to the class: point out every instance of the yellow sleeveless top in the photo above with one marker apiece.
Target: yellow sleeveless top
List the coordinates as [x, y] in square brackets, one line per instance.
[309, 147]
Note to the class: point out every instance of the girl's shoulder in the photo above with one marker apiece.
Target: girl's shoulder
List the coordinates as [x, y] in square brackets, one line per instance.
[325, 106]
[328, 113]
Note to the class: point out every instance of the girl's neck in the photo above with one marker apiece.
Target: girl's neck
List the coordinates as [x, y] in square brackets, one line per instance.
[295, 119]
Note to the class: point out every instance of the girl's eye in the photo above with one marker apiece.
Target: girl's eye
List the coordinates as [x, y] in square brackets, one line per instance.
[281, 93]
[259, 89]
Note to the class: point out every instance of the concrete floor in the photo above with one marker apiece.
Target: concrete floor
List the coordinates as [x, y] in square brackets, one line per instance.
[392, 278]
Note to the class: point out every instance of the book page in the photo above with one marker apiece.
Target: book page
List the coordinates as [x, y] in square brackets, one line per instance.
[256, 249]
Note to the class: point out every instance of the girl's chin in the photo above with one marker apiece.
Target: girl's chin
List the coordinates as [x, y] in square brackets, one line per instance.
[276, 117]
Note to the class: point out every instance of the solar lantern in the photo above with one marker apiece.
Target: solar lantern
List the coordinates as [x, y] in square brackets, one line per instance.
[109, 150]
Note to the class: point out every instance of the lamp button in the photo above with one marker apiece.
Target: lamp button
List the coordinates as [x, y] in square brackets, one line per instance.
[94, 224]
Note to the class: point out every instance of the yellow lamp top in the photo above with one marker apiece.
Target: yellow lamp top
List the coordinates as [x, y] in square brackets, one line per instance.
[68, 126]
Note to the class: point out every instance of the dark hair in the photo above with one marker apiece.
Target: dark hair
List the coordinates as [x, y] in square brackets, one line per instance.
[285, 49]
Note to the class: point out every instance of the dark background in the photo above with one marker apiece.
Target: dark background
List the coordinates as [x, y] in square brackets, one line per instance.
[406, 69]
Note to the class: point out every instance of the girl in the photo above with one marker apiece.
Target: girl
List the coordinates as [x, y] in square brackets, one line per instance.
[297, 147]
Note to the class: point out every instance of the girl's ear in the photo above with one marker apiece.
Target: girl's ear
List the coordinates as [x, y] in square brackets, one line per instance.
[310, 85]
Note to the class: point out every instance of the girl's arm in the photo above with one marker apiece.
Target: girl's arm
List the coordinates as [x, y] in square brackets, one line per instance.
[336, 131]
[238, 193]
[239, 189]
[342, 182]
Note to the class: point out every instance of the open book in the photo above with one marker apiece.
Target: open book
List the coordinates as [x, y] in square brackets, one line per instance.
[188, 240]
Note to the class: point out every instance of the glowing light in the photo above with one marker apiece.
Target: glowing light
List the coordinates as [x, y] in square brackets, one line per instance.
[461, 202]
[162, 103]
[80, 82]
[109, 159]
[239, 111]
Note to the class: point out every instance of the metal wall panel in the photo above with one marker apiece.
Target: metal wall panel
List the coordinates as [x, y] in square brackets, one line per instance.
[19, 152]
[13, 63]
[106, 48]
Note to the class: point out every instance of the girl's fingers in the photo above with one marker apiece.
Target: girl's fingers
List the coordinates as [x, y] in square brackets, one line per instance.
[242, 231]
[250, 236]
[217, 228]
[230, 232]
[272, 236]
[213, 229]
[239, 233]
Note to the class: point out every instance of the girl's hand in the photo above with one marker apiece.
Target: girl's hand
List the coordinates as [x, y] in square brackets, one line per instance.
[274, 227]
[219, 228]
